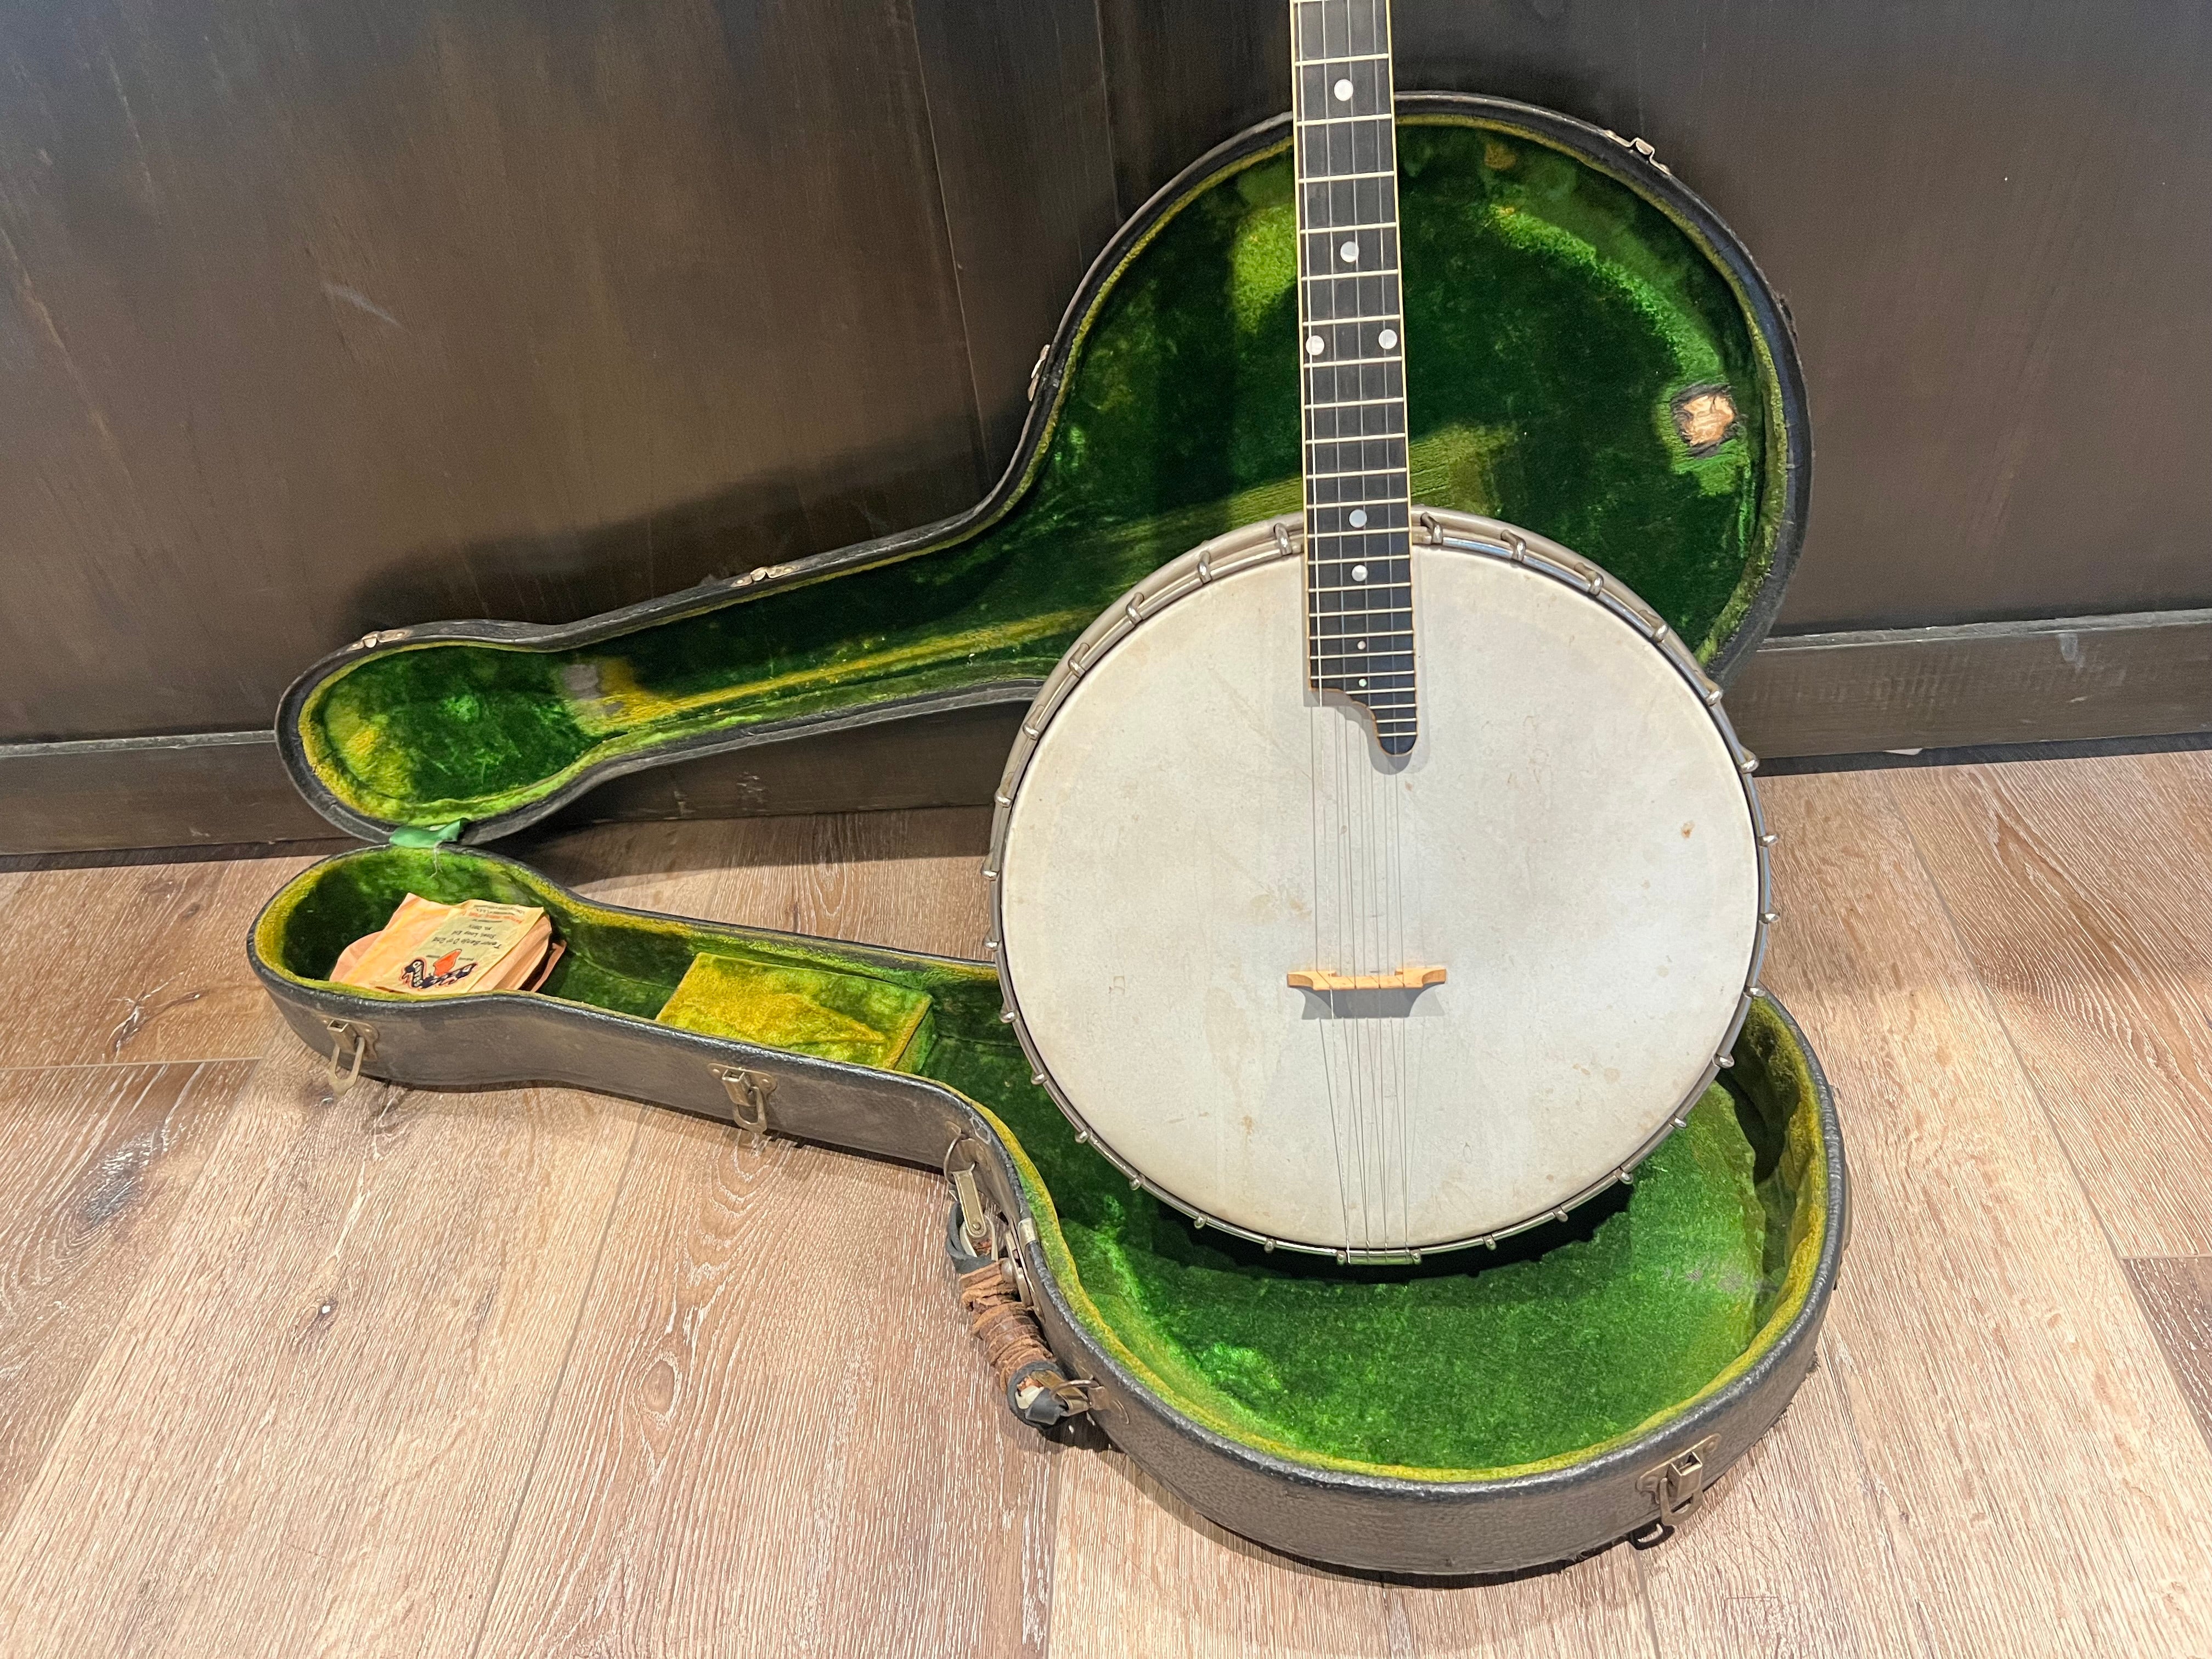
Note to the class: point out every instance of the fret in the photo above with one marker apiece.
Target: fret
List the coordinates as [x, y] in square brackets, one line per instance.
[1324, 26]
[1360, 441]
[1382, 517]
[1333, 149]
[1366, 293]
[1373, 494]
[1389, 317]
[1374, 252]
[1363, 202]
[1358, 472]
[1364, 382]
[1369, 295]
[1326, 456]
[1355, 403]
[1383, 471]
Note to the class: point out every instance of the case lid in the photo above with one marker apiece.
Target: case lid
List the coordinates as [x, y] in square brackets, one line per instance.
[1591, 353]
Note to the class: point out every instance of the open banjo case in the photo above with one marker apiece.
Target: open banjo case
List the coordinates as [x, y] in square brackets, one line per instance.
[1598, 360]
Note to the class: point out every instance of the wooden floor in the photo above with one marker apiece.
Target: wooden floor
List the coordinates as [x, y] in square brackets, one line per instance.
[535, 1372]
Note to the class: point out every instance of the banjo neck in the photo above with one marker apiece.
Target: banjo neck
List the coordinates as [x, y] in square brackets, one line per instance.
[1358, 556]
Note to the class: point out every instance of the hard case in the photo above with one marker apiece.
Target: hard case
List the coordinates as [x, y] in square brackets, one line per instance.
[1483, 1413]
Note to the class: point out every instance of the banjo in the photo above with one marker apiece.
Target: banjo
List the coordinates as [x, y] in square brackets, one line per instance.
[1385, 880]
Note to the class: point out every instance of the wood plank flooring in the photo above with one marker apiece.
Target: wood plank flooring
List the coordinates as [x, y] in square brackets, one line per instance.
[535, 1372]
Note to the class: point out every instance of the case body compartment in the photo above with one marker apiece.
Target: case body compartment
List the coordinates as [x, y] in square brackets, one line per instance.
[1724, 1270]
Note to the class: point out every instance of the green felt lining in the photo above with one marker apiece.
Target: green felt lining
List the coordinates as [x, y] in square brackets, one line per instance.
[1473, 1364]
[1553, 318]
[857, 1018]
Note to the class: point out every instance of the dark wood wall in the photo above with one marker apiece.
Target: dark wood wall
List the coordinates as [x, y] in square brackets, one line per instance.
[316, 318]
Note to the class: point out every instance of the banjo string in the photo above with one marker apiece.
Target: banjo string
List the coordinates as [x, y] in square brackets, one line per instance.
[1401, 1030]
[1348, 953]
[1359, 804]
[1315, 715]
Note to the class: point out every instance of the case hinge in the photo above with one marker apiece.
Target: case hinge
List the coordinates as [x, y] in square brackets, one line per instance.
[995, 1292]
[1643, 148]
[749, 1093]
[1675, 1486]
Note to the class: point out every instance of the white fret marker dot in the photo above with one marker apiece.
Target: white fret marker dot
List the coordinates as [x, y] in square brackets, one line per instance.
[1343, 90]
[1387, 338]
[1360, 572]
[1314, 347]
[1363, 682]
[1362, 645]
[1350, 253]
[1358, 517]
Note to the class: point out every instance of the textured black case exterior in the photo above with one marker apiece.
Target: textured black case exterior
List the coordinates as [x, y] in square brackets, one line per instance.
[1349, 1520]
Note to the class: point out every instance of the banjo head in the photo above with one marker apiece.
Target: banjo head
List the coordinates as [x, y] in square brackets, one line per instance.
[1343, 1002]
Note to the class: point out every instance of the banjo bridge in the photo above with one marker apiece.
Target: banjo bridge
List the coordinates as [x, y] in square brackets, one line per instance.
[1406, 979]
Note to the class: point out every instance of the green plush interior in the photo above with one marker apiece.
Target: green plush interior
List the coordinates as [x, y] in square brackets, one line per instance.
[1476, 1363]
[1554, 320]
[832, 1015]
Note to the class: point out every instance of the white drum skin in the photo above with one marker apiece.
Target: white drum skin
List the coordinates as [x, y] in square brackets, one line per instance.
[1571, 840]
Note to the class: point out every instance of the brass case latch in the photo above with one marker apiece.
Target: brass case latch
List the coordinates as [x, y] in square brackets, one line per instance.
[1675, 1486]
[749, 1093]
[347, 1036]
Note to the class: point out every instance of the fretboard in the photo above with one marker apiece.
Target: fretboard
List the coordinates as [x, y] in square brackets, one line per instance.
[1359, 590]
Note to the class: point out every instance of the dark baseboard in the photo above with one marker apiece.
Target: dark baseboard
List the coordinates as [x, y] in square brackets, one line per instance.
[208, 788]
[2062, 681]
[230, 788]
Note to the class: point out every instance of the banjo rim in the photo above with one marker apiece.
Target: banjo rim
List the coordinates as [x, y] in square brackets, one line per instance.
[1265, 543]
